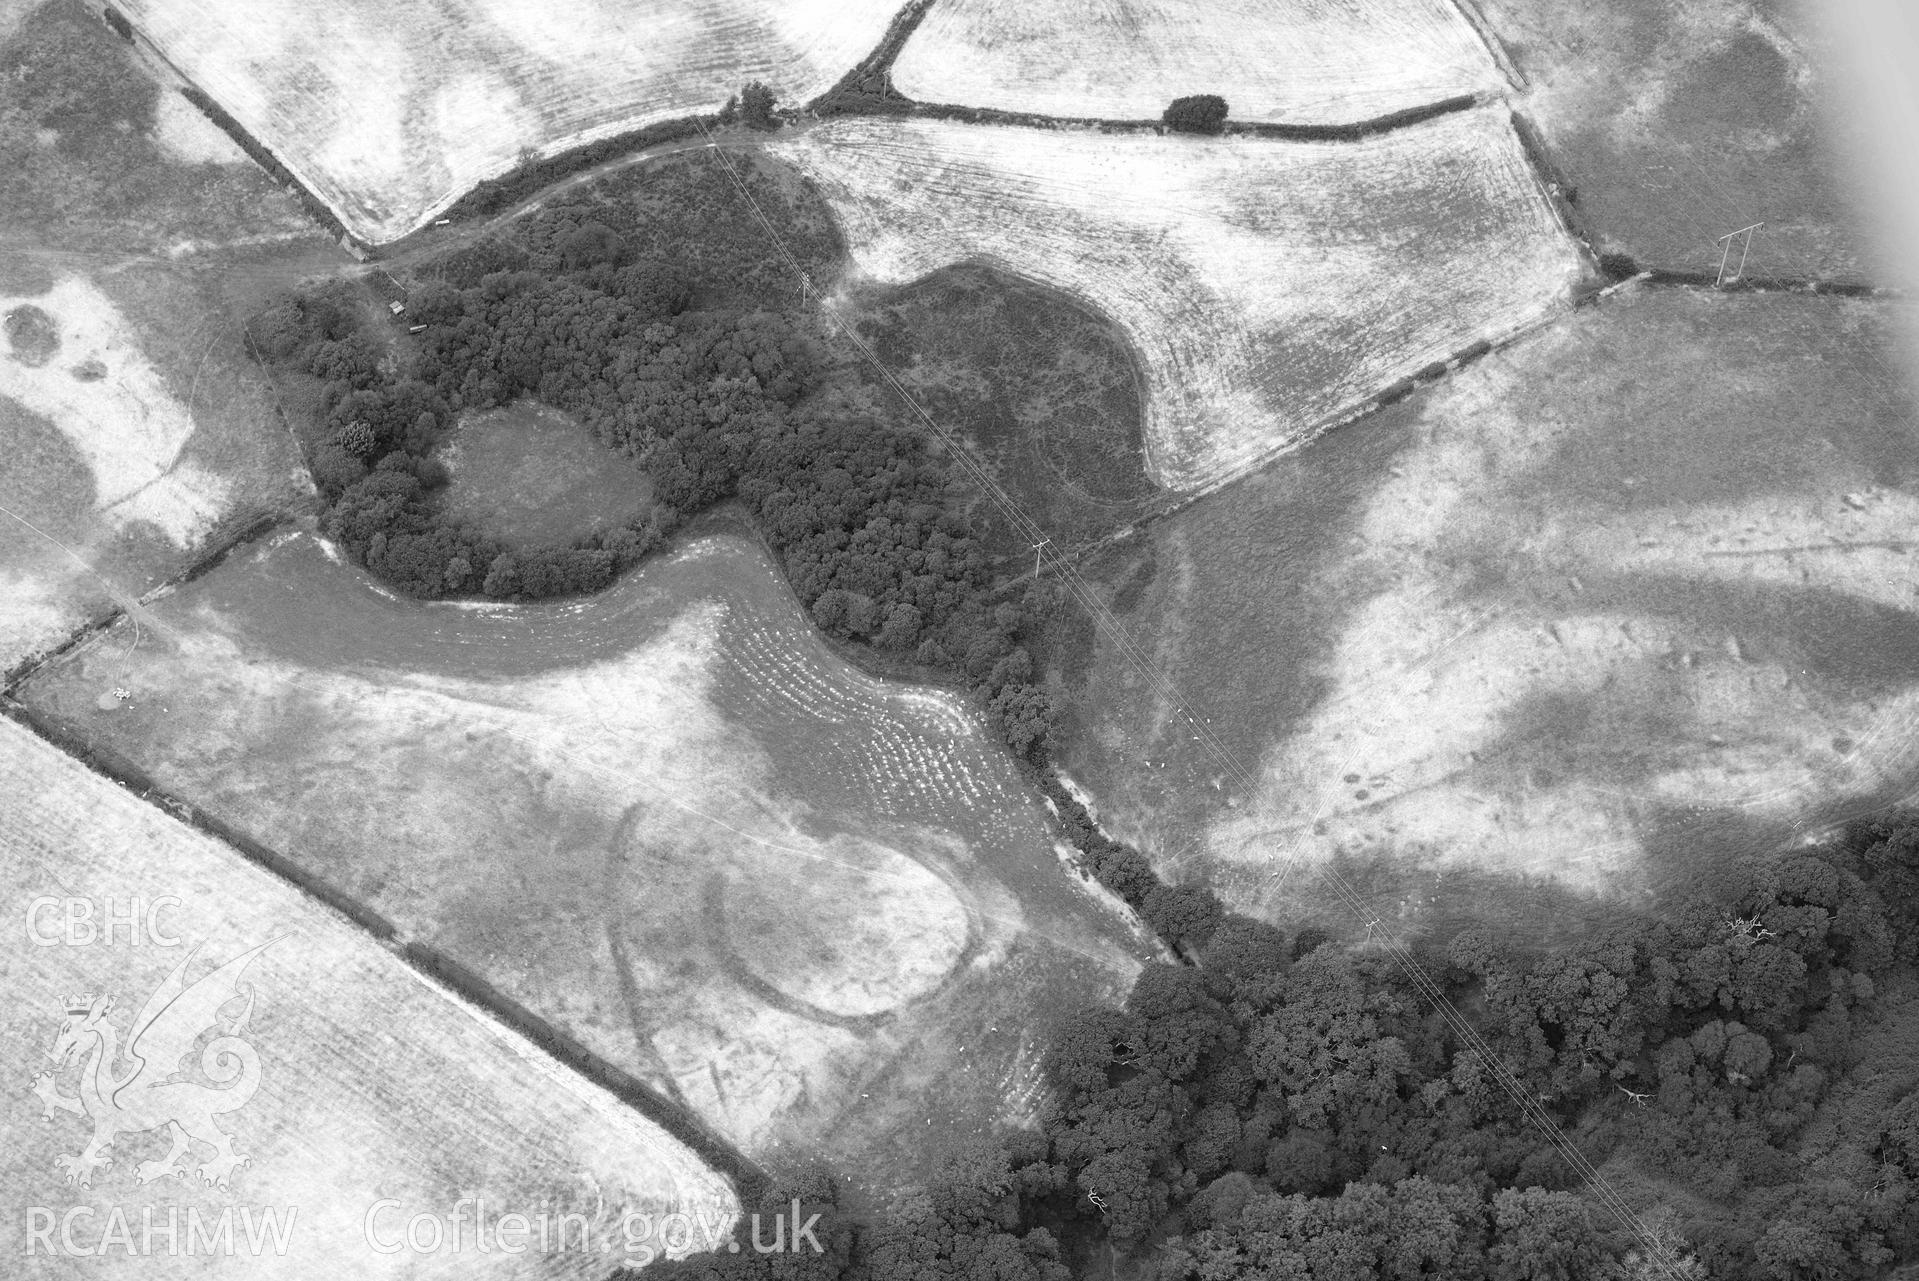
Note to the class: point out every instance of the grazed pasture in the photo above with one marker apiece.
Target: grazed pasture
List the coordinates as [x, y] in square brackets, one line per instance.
[373, 1084]
[1265, 285]
[1600, 616]
[134, 427]
[819, 909]
[1297, 62]
[1678, 121]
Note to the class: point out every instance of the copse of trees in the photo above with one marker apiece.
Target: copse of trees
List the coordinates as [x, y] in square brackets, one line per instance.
[1198, 113]
[866, 520]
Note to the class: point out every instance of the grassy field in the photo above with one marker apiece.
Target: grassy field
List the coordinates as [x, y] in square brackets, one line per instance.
[1265, 286]
[372, 1084]
[820, 910]
[375, 107]
[1303, 62]
[532, 477]
[135, 426]
[97, 152]
[1589, 622]
[1678, 121]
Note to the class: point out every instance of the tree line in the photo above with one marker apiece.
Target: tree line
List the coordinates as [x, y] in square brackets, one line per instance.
[1294, 1108]
[1274, 1106]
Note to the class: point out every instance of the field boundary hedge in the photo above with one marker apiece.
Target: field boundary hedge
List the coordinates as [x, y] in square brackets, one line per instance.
[851, 93]
[678, 1122]
[246, 530]
[121, 769]
[264, 157]
[860, 103]
[1495, 43]
[490, 195]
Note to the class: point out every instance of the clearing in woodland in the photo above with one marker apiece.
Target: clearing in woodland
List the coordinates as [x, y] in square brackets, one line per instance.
[661, 817]
[1540, 626]
[531, 476]
[376, 107]
[374, 1087]
[1266, 286]
[1318, 62]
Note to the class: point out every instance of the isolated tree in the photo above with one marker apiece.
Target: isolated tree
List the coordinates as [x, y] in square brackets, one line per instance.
[756, 106]
[1198, 113]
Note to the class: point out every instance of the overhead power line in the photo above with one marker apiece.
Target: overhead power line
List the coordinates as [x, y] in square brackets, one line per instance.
[1110, 630]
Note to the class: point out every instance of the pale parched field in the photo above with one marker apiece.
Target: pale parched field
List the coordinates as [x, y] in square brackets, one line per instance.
[88, 376]
[134, 426]
[389, 112]
[373, 1084]
[1607, 612]
[1292, 62]
[799, 900]
[1266, 286]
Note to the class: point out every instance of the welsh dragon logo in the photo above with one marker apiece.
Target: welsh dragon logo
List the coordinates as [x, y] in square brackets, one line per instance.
[151, 1092]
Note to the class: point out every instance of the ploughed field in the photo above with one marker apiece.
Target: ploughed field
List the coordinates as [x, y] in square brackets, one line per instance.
[390, 112]
[372, 1084]
[1594, 619]
[1266, 286]
[1296, 62]
[820, 910]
